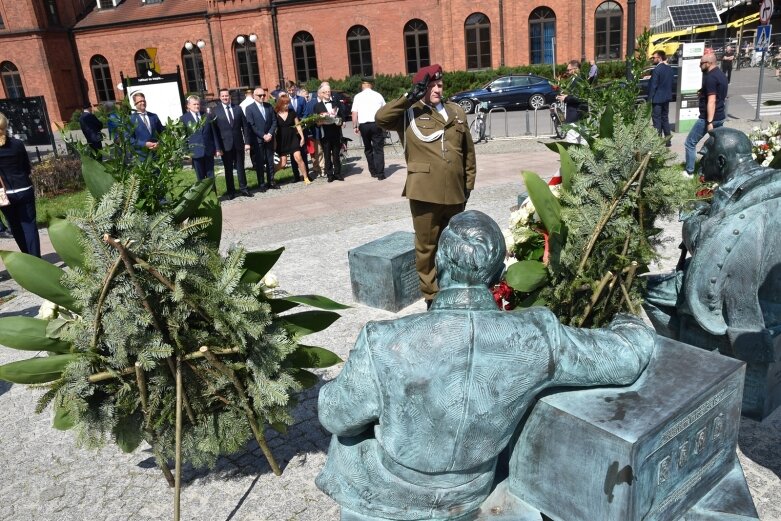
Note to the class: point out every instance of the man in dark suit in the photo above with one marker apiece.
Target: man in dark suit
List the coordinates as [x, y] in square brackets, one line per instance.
[318, 162]
[263, 122]
[297, 105]
[235, 135]
[204, 141]
[91, 128]
[334, 110]
[146, 128]
[660, 94]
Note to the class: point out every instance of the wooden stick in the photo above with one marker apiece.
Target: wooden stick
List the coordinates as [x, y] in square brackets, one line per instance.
[630, 277]
[178, 449]
[595, 297]
[141, 380]
[606, 217]
[628, 300]
[99, 307]
[259, 436]
[109, 375]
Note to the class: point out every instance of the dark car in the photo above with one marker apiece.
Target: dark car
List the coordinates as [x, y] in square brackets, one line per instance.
[645, 80]
[509, 92]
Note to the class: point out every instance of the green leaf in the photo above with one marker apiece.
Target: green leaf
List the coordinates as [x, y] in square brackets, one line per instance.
[545, 203]
[307, 322]
[280, 306]
[527, 275]
[305, 378]
[567, 167]
[311, 356]
[606, 123]
[279, 427]
[556, 242]
[128, 432]
[63, 418]
[191, 199]
[66, 238]
[39, 277]
[29, 334]
[97, 179]
[55, 327]
[36, 370]
[554, 145]
[257, 264]
[316, 301]
[533, 299]
[210, 208]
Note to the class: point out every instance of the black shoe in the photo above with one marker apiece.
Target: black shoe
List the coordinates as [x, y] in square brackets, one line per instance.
[274, 186]
[230, 195]
[339, 178]
[246, 193]
[262, 189]
[296, 179]
[381, 178]
[330, 179]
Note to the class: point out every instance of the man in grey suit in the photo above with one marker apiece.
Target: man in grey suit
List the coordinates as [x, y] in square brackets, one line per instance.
[263, 122]
[235, 133]
[425, 403]
[660, 94]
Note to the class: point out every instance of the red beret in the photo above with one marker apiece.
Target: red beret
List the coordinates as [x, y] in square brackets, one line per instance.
[434, 73]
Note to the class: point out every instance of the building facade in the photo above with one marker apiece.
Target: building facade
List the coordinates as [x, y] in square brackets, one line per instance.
[245, 43]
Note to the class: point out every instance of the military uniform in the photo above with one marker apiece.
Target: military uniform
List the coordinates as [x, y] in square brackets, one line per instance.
[440, 158]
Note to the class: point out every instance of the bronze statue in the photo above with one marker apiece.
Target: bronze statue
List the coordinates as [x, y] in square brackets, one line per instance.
[426, 403]
[727, 295]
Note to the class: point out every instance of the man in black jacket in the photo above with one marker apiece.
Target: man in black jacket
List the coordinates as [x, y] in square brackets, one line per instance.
[235, 133]
[576, 108]
[91, 127]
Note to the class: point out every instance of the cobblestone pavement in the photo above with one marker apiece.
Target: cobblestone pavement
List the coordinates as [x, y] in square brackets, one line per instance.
[47, 478]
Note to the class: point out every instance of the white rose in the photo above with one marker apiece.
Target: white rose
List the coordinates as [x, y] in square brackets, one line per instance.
[509, 261]
[509, 241]
[47, 311]
[270, 280]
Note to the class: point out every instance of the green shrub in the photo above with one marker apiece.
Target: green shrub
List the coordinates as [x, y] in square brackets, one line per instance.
[391, 86]
[57, 175]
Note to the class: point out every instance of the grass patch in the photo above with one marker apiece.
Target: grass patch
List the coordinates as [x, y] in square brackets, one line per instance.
[49, 207]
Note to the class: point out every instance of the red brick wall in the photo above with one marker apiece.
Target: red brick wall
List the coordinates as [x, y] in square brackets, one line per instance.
[51, 70]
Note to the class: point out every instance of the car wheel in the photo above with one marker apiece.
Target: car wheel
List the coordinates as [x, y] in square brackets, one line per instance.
[467, 105]
[537, 101]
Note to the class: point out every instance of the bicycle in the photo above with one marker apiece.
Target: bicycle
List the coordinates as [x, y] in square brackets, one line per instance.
[478, 126]
[557, 112]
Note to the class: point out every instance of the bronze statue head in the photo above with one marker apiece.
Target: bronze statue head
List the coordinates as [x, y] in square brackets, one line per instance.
[471, 251]
[724, 150]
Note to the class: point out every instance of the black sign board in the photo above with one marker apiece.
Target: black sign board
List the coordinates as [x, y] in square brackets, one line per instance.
[28, 120]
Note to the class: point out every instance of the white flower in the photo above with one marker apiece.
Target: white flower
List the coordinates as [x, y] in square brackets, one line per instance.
[509, 261]
[47, 311]
[270, 281]
[520, 216]
[509, 241]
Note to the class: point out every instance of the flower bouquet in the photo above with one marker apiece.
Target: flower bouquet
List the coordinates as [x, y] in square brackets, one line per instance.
[767, 144]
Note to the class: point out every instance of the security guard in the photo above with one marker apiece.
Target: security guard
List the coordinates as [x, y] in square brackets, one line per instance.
[440, 158]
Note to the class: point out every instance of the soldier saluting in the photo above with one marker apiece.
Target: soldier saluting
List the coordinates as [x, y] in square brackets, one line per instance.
[440, 159]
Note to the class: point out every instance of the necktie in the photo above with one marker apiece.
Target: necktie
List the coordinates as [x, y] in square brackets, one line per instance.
[294, 103]
[262, 112]
[146, 121]
[228, 112]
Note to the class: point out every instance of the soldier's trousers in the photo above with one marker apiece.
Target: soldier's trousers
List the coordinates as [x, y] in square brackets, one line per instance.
[428, 220]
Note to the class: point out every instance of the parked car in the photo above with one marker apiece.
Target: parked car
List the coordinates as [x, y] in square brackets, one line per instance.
[513, 91]
[645, 79]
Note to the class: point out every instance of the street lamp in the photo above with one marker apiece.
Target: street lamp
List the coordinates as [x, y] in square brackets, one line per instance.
[197, 63]
[245, 42]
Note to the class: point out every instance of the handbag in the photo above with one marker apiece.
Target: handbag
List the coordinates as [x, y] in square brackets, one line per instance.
[310, 145]
[4, 201]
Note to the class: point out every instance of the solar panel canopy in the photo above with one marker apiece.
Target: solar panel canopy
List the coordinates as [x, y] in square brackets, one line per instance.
[693, 15]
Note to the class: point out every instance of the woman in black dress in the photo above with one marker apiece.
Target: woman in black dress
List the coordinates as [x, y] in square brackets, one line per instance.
[290, 137]
[15, 172]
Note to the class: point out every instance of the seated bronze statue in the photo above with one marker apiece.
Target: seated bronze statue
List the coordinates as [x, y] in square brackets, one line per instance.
[426, 403]
[727, 294]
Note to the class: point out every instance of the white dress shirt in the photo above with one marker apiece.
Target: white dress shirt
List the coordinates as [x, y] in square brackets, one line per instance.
[366, 103]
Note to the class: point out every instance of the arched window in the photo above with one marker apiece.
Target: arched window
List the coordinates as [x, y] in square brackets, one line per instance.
[607, 36]
[542, 31]
[304, 56]
[101, 77]
[194, 73]
[477, 29]
[12, 81]
[416, 45]
[247, 61]
[144, 63]
[359, 51]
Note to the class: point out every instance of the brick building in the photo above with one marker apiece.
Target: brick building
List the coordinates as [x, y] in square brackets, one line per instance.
[71, 51]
